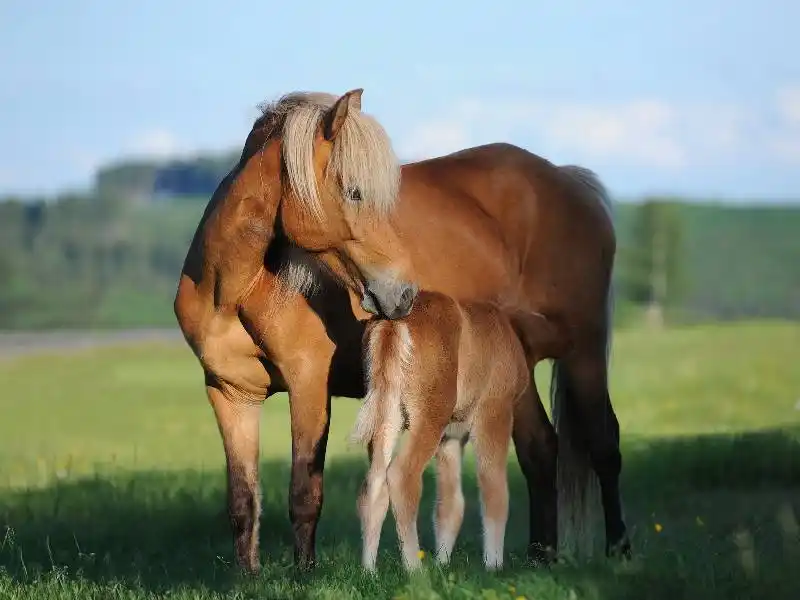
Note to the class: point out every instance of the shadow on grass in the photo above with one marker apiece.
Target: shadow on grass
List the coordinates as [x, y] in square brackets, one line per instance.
[725, 507]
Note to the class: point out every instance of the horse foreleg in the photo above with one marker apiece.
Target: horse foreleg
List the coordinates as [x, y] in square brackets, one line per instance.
[536, 447]
[449, 513]
[310, 407]
[238, 420]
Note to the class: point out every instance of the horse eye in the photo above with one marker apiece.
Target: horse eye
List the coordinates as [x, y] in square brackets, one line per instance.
[355, 194]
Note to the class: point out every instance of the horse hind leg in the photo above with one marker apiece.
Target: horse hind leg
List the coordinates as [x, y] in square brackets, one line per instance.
[536, 448]
[405, 483]
[491, 437]
[449, 510]
[373, 498]
[588, 432]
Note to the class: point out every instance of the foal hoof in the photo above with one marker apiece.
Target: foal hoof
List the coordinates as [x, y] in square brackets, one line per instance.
[620, 549]
[541, 556]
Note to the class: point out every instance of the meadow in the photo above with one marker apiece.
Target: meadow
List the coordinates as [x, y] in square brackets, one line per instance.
[112, 482]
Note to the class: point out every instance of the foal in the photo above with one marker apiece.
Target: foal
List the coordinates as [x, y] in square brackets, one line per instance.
[445, 373]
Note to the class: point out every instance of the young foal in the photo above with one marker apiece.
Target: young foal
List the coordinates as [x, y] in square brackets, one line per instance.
[446, 372]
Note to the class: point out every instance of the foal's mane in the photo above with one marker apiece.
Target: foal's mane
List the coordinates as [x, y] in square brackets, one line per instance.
[362, 158]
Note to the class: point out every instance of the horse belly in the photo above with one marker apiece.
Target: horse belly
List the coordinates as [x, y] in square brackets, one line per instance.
[346, 377]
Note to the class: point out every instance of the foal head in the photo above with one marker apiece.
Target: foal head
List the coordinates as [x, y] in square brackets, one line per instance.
[339, 183]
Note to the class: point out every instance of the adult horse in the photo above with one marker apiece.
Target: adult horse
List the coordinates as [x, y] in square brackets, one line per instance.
[317, 184]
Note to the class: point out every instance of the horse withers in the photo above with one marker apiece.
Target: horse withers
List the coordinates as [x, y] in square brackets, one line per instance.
[447, 373]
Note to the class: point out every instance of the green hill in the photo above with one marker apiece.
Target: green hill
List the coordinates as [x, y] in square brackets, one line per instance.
[99, 261]
[737, 261]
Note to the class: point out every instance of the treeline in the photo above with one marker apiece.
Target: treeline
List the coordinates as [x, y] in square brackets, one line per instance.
[148, 180]
[106, 260]
[151, 179]
[91, 261]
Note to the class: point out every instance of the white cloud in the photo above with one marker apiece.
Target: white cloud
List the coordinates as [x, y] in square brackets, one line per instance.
[149, 144]
[156, 143]
[644, 132]
[435, 138]
[639, 131]
[785, 144]
[788, 102]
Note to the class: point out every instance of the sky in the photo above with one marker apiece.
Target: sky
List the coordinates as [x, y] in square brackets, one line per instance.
[690, 97]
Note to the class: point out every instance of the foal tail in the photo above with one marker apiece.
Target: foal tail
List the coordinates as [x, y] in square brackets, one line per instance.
[387, 360]
[580, 514]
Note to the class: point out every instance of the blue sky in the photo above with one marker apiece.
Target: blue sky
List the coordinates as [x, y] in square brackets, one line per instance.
[698, 97]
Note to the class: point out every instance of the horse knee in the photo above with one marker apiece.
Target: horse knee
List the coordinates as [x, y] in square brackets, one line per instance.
[537, 454]
[243, 507]
[305, 496]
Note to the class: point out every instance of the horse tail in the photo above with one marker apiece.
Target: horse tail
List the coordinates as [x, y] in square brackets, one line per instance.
[580, 514]
[388, 354]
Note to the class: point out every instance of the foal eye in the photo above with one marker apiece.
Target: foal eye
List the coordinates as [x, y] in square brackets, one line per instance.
[354, 194]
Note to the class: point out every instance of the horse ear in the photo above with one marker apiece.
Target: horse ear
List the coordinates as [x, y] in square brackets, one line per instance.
[334, 119]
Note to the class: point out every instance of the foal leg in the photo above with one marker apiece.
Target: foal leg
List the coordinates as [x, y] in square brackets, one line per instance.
[373, 498]
[238, 420]
[405, 483]
[587, 384]
[449, 514]
[536, 447]
[490, 436]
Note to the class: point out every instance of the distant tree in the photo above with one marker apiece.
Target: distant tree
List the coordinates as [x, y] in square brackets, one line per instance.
[143, 180]
[654, 259]
[130, 179]
[34, 222]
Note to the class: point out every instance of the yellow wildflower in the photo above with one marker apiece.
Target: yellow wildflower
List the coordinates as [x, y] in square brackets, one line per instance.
[420, 554]
[658, 528]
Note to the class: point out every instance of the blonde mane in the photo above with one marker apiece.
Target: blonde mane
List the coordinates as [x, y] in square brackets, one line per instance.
[362, 157]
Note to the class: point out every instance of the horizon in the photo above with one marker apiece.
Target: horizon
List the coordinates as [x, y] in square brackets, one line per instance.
[695, 114]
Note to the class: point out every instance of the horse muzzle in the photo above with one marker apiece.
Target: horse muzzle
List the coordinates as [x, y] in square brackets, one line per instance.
[389, 299]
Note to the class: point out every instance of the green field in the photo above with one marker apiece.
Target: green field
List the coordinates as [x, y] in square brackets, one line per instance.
[112, 483]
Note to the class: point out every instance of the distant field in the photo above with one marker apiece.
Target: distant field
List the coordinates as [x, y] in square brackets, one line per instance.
[112, 482]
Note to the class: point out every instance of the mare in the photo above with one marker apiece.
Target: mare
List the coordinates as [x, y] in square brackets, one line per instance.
[447, 373]
[314, 229]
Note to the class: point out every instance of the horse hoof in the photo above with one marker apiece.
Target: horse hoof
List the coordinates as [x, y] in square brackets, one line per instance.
[620, 549]
[541, 556]
[305, 563]
[249, 568]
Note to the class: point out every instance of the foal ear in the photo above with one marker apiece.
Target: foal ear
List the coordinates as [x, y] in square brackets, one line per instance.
[334, 119]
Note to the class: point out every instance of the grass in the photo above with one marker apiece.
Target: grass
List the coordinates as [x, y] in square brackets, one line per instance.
[112, 483]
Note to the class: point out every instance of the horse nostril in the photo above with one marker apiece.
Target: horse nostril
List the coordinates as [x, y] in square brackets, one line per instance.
[408, 295]
[370, 304]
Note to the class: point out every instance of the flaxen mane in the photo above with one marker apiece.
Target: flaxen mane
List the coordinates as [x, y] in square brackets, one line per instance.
[363, 158]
